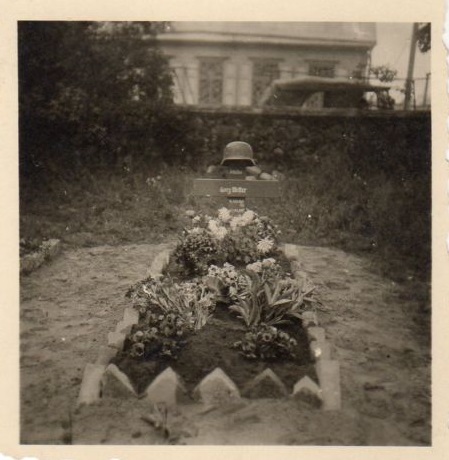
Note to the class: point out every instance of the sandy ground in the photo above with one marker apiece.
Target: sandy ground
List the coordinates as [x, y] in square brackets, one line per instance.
[378, 329]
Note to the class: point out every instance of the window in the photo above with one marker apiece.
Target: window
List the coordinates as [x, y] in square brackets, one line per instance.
[211, 81]
[357, 74]
[322, 69]
[314, 101]
[264, 72]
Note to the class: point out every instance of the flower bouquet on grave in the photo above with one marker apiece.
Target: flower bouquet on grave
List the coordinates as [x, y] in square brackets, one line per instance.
[227, 270]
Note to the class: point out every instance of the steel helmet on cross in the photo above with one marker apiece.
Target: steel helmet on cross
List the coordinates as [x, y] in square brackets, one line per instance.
[237, 154]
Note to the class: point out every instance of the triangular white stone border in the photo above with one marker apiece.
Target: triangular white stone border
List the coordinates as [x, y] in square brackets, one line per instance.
[266, 374]
[327, 369]
[225, 388]
[165, 388]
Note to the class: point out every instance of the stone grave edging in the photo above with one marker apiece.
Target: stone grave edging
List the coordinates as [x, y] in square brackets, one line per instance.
[326, 366]
[46, 251]
[102, 378]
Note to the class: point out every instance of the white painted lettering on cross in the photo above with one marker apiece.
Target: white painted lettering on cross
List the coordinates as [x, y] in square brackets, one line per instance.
[229, 190]
[236, 188]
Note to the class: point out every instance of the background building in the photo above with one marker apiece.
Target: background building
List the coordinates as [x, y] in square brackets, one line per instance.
[232, 63]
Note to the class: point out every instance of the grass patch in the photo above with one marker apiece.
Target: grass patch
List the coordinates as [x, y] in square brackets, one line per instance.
[387, 219]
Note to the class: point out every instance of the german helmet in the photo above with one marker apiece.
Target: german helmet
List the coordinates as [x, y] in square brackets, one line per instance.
[238, 153]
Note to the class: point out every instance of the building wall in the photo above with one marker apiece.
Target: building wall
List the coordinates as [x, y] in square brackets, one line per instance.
[238, 64]
[293, 55]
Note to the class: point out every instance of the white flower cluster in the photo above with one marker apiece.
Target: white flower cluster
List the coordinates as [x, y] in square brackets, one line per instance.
[196, 231]
[255, 267]
[217, 230]
[248, 216]
[265, 245]
[226, 224]
[260, 266]
[196, 221]
[224, 215]
[227, 274]
[212, 224]
[242, 221]
[268, 262]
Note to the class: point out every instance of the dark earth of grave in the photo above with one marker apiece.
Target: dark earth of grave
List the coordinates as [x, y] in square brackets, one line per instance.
[211, 347]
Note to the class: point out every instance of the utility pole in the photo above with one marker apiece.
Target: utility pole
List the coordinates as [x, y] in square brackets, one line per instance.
[426, 89]
[411, 65]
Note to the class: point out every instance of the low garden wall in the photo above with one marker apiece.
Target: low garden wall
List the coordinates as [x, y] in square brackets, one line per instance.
[392, 141]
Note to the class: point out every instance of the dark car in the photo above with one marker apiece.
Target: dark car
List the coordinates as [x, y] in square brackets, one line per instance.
[321, 92]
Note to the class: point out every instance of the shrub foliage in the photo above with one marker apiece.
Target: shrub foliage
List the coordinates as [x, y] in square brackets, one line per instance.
[93, 94]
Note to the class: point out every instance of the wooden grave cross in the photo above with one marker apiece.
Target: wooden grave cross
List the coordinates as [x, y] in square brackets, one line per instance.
[236, 188]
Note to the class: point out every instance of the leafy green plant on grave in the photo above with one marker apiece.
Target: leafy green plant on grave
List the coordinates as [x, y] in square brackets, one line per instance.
[272, 302]
[168, 313]
[158, 335]
[230, 282]
[196, 251]
[265, 307]
[192, 300]
[267, 343]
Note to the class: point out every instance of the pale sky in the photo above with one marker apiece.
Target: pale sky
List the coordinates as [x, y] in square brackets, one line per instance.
[393, 49]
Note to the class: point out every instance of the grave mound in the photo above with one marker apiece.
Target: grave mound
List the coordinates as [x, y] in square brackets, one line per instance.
[244, 307]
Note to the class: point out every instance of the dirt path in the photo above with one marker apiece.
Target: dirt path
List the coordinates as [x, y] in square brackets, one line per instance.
[68, 306]
[67, 309]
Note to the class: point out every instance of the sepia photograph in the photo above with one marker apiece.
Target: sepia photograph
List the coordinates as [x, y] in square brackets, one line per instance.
[225, 233]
